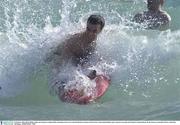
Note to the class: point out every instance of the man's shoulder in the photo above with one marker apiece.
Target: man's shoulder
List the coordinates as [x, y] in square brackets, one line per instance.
[165, 16]
[65, 44]
[73, 37]
[72, 40]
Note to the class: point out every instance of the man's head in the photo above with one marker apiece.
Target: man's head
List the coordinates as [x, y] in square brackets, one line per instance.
[95, 24]
[154, 4]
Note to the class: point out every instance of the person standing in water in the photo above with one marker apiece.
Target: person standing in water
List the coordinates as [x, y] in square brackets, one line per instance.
[78, 47]
[155, 17]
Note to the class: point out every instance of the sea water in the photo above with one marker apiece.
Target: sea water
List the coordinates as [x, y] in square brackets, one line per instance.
[144, 64]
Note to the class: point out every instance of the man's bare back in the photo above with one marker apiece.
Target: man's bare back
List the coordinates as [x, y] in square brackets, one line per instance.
[154, 18]
[159, 19]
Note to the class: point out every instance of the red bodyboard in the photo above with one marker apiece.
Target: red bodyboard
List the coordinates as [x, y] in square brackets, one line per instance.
[74, 96]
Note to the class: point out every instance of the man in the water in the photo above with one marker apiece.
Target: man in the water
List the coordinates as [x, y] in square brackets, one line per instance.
[78, 47]
[154, 18]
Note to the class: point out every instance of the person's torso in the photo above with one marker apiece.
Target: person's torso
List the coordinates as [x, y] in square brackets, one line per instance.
[81, 52]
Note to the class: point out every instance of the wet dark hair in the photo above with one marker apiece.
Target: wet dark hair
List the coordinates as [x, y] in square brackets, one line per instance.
[96, 19]
[159, 2]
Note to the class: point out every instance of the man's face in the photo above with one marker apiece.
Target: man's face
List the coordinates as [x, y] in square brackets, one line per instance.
[93, 30]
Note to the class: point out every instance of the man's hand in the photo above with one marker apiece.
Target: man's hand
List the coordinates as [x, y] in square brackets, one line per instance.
[92, 74]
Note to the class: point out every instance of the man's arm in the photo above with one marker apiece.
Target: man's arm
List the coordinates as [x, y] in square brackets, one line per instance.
[61, 54]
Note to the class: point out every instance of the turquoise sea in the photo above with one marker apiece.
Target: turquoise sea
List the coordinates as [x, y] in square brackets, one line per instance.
[145, 78]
